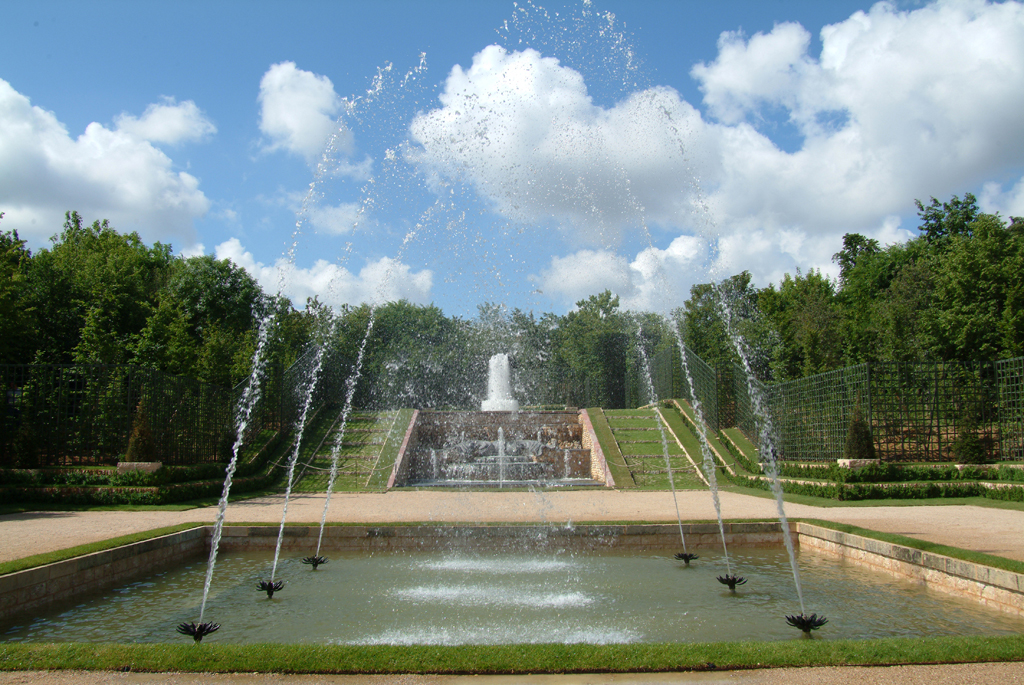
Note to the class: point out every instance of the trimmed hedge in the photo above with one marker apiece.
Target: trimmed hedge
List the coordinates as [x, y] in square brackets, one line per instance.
[168, 485]
[860, 491]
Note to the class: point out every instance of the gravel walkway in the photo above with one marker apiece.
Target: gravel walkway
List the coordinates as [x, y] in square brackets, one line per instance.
[954, 674]
[995, 531]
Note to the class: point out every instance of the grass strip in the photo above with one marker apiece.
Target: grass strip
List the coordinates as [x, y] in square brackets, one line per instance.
[612, 456]
[71, 552]
[981, 558]
[508, 659]
[378, 480]
[746, 447]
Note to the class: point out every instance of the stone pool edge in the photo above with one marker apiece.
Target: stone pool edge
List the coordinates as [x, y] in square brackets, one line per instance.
[36, 588]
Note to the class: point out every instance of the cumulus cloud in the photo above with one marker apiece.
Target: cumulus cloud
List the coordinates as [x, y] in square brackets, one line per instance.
[898, 105]
[654, 279]
[523, 129]
[298, 111]
[116, 174]
[335, 220]
[167, 122]
[385, 280]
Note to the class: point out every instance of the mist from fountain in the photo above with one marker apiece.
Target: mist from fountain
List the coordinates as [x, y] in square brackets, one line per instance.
[243, 413]
[300, 428]
[661, 428]
[766, 439]
[707, 460]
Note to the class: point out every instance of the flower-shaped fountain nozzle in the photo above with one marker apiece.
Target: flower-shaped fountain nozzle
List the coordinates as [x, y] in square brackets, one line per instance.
[806, 623]
[198, 632]
[270, 587]
[686, 558]
[314, 561]
[732, 581]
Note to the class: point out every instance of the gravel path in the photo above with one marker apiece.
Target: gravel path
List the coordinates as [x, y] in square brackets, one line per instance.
[995, 531]
[954, 674]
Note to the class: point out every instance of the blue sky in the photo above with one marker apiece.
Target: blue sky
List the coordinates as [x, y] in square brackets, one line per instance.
[677, 142]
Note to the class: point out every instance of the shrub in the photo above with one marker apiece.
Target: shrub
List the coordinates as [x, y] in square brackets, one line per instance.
[858, 438]
[141, 445]
[968, 448]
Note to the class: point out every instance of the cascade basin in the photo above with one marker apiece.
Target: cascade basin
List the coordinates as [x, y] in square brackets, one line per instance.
[473, 596]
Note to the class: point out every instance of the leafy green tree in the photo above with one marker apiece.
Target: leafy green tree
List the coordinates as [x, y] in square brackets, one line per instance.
[942, 221]
[976, 277]
[93, 292]
[17, 325]
[590, 346]
[806, 315]
[205, 311]
[854, 245]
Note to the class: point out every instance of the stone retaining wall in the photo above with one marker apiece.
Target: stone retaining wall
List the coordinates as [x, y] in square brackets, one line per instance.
[36, 588]
[1003, 590]
[300, 539]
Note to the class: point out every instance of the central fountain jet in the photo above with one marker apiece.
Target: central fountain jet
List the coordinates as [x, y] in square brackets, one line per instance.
[499, 386]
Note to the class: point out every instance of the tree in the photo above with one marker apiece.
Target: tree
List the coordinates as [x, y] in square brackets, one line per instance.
[93, 292]
[942, 221]
[17, 325]
[590, 346]
[977, 285]
[854, 245]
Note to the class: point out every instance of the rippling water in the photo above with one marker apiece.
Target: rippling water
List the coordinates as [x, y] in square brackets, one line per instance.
[467, 598]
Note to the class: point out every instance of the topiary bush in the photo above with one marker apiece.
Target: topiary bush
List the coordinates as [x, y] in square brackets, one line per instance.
[859, 444]
[968, 448]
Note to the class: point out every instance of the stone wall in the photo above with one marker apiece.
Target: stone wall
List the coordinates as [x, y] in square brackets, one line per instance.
[36, 588]
[1003, 590]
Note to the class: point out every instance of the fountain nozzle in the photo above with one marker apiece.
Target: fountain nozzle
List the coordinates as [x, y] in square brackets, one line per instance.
[314, 561]
[270, 587]
[806, 623]
[686, 558]
[732, 581]
[198, 632]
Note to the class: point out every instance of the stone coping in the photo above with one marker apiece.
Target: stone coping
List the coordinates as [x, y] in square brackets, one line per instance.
[979, 573]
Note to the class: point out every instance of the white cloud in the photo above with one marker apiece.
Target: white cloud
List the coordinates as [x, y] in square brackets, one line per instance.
[334, 220]
[298, 111]
[167, 122]
[524, 131]
[898, 105]
[385, 280]
[655, 279]
[1007, 203]
[103, 173]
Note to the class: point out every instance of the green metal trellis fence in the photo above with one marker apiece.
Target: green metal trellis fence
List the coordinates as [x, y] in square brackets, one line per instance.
[916, 411]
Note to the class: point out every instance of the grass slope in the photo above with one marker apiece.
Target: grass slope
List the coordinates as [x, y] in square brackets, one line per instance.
[612, 456]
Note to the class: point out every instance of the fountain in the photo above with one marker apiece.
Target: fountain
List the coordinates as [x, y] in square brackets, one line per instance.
[198, 632]
[732, 581]
[270, 587]
[314, 561]
[499, 388]
[499, 446]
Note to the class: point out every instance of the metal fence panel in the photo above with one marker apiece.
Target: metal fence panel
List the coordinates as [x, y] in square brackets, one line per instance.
[83, 414]
[1010, 380]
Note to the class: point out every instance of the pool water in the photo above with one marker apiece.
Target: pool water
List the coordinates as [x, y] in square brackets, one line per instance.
[408, 598]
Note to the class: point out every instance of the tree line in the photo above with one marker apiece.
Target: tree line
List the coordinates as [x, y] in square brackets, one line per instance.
[98, 296]
[954, 292]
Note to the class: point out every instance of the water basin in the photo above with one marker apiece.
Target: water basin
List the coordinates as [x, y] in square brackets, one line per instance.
[480, 597]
